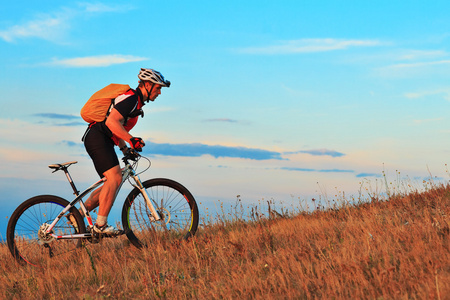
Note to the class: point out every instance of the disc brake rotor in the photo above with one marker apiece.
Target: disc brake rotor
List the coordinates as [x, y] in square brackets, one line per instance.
[43, 236]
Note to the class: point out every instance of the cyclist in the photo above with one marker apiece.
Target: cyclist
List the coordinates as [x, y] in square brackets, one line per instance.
[101, 137]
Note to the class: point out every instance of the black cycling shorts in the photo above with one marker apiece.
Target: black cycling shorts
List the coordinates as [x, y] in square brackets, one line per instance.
[100, 147]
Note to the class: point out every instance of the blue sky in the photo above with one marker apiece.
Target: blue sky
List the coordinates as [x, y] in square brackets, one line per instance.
[269, 99]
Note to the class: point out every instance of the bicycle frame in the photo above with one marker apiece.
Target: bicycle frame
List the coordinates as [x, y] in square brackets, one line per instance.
[127, 172]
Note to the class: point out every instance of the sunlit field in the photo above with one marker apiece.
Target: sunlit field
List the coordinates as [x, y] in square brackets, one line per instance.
[392, 247]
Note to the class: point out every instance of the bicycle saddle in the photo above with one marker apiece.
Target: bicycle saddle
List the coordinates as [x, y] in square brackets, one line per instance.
[57, 167]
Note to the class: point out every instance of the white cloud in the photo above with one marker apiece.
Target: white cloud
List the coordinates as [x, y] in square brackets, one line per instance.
[424, 94]
[55, 25]
[49, 28]
[418, 64]
[310, 46]
[101, 8]
[421, 54]
[414, 69]
[428, 120]
[96, 61]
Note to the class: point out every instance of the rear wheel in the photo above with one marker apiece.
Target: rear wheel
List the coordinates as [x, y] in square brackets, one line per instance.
[26, 233]
[174, 203]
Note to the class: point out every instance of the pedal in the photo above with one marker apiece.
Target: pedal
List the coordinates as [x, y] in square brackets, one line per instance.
[99, 236]
[111, 235]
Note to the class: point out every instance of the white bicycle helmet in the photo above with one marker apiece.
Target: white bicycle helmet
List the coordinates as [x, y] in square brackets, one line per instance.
[153, 76]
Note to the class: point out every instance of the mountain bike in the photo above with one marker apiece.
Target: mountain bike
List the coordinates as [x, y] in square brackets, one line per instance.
[49, 226]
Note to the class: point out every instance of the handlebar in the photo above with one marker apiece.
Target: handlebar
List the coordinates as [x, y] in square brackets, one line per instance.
[131, 154]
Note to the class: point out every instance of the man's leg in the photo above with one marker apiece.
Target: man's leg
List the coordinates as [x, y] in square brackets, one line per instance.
[92, 202]
[108, 193]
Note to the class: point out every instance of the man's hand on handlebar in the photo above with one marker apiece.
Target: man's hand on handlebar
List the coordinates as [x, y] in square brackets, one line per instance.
[131, 154]
[137, 143]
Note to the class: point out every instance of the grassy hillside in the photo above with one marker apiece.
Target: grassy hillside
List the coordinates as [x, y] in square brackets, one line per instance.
[397, 249]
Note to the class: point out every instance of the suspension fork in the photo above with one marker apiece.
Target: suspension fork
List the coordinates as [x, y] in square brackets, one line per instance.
[144, 193]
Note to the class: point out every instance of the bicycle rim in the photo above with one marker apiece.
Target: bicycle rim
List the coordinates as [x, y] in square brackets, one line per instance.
[174, 203]
[24, 234]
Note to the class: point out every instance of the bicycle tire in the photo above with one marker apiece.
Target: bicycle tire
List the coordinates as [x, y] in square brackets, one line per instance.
[22, 234]
[171, 199]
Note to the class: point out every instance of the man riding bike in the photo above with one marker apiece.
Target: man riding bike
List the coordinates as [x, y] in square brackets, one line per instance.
[101, 137]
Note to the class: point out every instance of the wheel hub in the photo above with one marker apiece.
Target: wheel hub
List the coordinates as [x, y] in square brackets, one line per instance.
[43, 236]
[165, 215]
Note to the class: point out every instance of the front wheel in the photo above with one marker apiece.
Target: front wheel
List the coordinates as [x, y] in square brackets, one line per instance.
[26, 234]
[174, 203]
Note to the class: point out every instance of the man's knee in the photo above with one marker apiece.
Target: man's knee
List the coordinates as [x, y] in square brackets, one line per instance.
[113, 175]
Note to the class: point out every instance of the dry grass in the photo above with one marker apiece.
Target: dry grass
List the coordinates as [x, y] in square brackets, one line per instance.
[397, 249]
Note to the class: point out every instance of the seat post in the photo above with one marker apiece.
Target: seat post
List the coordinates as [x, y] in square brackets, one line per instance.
[76, 192]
